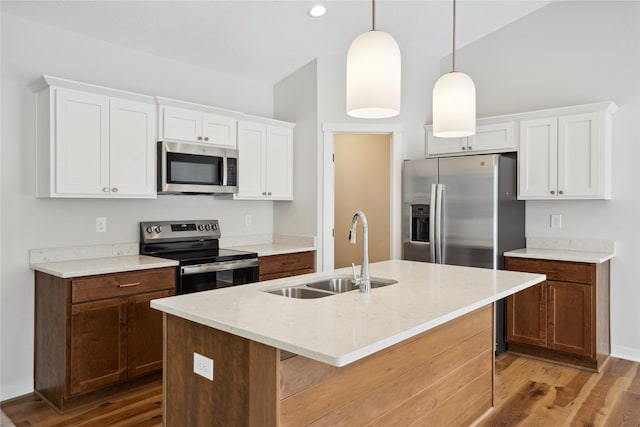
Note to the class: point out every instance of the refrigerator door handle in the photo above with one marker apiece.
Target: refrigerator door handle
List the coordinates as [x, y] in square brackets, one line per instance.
[438, 223]
[432, 225]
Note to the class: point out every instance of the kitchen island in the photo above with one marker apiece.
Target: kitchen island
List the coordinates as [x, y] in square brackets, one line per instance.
[418, 350]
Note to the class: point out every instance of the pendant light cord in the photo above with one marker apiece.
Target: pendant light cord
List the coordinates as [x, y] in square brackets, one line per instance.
[373, 15]
[453, 50]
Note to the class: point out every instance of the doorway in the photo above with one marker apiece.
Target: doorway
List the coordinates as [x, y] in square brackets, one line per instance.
[327, 231]
[362, 170]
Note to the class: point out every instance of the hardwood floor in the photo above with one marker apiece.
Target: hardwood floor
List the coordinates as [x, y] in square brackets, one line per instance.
[528, 393]
[142, 407]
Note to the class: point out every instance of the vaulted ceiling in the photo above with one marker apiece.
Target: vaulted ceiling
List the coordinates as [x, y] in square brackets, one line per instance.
[267, 40]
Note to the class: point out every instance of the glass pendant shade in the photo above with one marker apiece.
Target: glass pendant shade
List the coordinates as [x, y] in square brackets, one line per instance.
[373, 76]
[454, 106]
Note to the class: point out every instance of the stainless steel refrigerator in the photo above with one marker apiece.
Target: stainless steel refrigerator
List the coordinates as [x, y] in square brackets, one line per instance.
[463, 211]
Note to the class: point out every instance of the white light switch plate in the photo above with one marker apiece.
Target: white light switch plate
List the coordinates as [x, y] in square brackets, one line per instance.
[203, 366]
[556, 221]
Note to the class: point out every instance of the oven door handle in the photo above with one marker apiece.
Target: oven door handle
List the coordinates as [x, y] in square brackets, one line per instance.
[219, 266]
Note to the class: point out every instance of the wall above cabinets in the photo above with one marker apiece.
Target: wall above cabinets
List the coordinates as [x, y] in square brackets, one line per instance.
[563, 153]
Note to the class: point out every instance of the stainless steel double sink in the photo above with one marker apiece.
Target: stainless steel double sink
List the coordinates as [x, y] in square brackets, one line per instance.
[326, 287]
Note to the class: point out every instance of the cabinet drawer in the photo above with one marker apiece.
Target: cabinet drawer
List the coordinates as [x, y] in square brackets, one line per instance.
[287, 262]
[565, 271]
[121, 284]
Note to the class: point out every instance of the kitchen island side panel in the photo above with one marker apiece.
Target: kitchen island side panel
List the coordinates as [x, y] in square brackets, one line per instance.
[244, 390]
[427, 377]
[442, 376]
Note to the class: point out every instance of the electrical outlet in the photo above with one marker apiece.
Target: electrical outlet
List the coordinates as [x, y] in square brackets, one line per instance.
[556, 221]
[203, 366]
[247, 220]
[101, 224]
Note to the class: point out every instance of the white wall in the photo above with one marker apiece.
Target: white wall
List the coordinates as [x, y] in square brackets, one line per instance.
[30, 50]
[296, 100]
[571, 53]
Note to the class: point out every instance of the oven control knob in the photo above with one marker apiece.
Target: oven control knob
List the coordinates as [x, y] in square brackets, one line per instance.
[149, 229]
[207, 227]
[201, 227]
[158, 229]
[215, 226]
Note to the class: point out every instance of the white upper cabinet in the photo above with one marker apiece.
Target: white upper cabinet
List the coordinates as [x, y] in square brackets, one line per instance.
[567, 155]
[265, 160]
[196, 124]
[94, 142]
[538, 157]
[444, 146]
[496, 137]
[489, 137]
[81, 143]
[279, 163]
[181, 124]
[132, 142]
[252, 141]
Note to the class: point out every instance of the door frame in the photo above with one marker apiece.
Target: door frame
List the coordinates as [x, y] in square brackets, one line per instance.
[327, 180]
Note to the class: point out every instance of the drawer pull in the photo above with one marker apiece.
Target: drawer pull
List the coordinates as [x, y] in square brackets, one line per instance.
[128, 285]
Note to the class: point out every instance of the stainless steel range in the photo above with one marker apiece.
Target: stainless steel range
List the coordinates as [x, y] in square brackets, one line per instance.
[203, 265]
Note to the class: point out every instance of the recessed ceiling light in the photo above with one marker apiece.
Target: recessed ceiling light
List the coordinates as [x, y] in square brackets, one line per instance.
[317, 11]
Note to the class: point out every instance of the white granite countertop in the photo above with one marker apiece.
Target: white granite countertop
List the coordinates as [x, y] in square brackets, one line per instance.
[561, 255]
[342, 328]
[105, 265]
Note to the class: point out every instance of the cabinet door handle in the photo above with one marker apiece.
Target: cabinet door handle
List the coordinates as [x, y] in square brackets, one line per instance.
[469, 147]
[199, 138]
[553, 192]
[269, 193]
[264, 193]
[463, 148]
[206, 138]
[105, 189]
[128, 285]
[114, 190]
[560, 192]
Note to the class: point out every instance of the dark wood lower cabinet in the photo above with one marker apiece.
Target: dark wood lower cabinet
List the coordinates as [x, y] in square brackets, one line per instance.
[566, 318]
[527, 316]
[570, 318]
[98, 344]
[286, 265]
[144, 343]
[97, 335]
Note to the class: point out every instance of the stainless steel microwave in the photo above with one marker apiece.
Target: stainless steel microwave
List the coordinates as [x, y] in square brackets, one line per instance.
[196, 169]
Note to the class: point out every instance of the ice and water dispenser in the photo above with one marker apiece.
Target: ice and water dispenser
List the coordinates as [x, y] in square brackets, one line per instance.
[420, 223]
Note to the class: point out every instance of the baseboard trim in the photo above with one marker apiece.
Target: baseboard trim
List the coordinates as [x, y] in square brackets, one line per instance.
[627, 353]
[15, 389]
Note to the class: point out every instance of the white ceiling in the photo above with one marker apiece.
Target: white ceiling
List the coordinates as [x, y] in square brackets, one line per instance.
[267, 40]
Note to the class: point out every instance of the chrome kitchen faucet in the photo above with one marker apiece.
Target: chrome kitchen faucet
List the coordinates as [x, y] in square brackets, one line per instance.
[364, 282]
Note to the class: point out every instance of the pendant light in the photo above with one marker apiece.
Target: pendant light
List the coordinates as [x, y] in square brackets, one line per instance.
[454, 100]
[373, 74]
